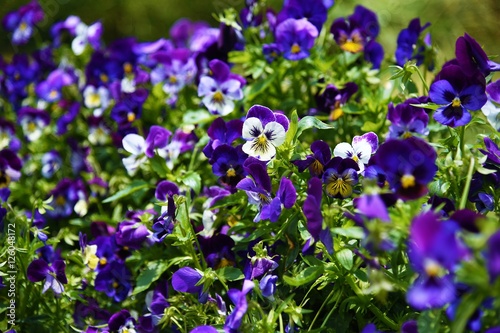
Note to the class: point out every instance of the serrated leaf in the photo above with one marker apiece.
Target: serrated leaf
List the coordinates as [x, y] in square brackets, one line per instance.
[308, 275]
[132, 188]
[345, 257]
[311, 122]
[230, 273]
[192, 180]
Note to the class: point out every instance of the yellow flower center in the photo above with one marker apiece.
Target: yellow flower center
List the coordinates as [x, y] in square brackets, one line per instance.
[456, 102]
[224, 263]
[407, 181]
[295, 48]
[94, 99]
[60, 200]
[432, 268]
[342, 186]
[23, 26]
[230, 172]
[4, 179]
[355, 158]
[127, 68]
[407, 135]
[172, 79]
[218, 97]
[104, 78]
[264, 198]
[130, 117]
[53, 94]
[336, 114]
[317, 167]
[103, 261]
[31, 126]
[115, 284]
[231, 221]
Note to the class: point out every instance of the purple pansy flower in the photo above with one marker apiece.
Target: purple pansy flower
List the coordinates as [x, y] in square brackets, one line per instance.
[409, 166]
[458, 94]
[50, 90]
[53, 274]
[471, 57]
[372, 206]
[340, 177]
[312, 208]
[493, 256]
[268, 285]
[271, 52]
[51, 162]
[22, 22]
[436, 264]
[295, 38]
[131, 234]
[332, 99]
[264, 130]
[114, 280]
[68, 196]
[317, 161]
[227, 164]
[314, 11]
[239, 299]
[96, 99]
[217, 250]
[258, 189]
[10, 170]
[157, 138]
[8, 137]
[122, 322]
[410, 44]
[220, 89]
[221, 133]
[83, 34]
[33, 121]
[89, 309]
[185, 280]
[360, 151]
[491, 109]
[407, 120]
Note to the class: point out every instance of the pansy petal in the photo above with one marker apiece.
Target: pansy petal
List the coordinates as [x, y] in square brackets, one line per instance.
[264, 114]
[343, 150]
[252, 128]
[134, 143]
[275, 133]
[37, 270]
[473, 97]
[370, 137]
[442, 92]
[287, 193]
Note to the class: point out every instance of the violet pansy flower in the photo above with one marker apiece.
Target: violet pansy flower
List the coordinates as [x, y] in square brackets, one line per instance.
[220, 89]
[435, 264]
[314, 11]
[227, 164]
[83, 34]
[361, 149]
[407, 120]
[410, 45]
[122, 322]
[295, 38]
[239, 299]
[50, 90]
[10, 170]
[316, 162]
[471, 57]
[51, 162]
[33, 121]
[493, 256]
[491, 109]
[264, 130]
[114, 280]
[186, 279]
[458, 94]
[53, 274]
[22, 22]
[221, 132]
[409, 166]
[332, 99]
[340, 177]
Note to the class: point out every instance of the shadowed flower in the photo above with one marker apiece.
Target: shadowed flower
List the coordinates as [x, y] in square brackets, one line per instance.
[53, 274]
[409, 166]
[493, 256]
[50, 90]
[239, 299]
[411, 46]
[114, 280]
[340, 177]
[471, 57]
[122, 322]
[458, 94]
[227, 164]
[317, 161]
[407, 120]
[33, 122]
[332, 99]
[221, 133]
[264, 130]
[185, 280]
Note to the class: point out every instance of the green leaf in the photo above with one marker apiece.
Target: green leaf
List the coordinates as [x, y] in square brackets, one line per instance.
[192, 180]
[439, 187]
[152, 273]
[350, 232]
[197, 117]
[429, 321]
[259, 87]
[311, 122]
[159, 165]
[230, 273]
[292, 130]
[468, 305]
[430, 106]
[345, 258]
[133, 187]
[308, 275]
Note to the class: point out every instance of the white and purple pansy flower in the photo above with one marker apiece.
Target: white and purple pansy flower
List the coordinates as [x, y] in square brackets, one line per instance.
[264, 130]
[361, 149]
[136, 145]
[219, 90]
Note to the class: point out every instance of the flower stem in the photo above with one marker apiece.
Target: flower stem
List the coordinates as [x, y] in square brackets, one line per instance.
[465, 193]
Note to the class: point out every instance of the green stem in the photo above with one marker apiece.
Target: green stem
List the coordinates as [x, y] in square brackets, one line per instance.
[327, 299]
[465, 193]
[372, 307]
[193, 252]
[426, 87]
[331, 310]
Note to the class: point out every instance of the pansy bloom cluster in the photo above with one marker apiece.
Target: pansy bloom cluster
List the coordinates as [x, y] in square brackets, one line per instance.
[263, 175]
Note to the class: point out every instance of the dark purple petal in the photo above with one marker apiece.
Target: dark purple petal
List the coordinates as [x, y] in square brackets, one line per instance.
[287, 193]
[59, 267]
[157, 138]
[204, 329]
[118, 319]
[372, 207]
[312, 207]
[268, 285]
[264, 114]
[166, 189]
[38, 270]
[442, 92]
[493, 256]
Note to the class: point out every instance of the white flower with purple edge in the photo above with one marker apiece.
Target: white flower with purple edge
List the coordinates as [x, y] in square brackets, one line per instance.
[264, 130]
[361, 149]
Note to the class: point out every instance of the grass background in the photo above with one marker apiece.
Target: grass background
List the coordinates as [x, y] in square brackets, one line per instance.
[151, 19]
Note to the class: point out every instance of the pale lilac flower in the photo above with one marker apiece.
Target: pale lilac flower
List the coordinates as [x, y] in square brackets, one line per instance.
[136, 145]
[360, 151]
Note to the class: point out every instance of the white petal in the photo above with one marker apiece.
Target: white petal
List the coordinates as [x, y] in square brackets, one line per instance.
[207, 86]
[252, 128]
[271, 151]
[78, 44]
[343, 150]
[134, 144]
[364, 151]
[275, 132]
[227, 107]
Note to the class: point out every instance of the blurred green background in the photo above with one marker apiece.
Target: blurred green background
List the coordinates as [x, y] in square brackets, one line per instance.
[150, 19]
